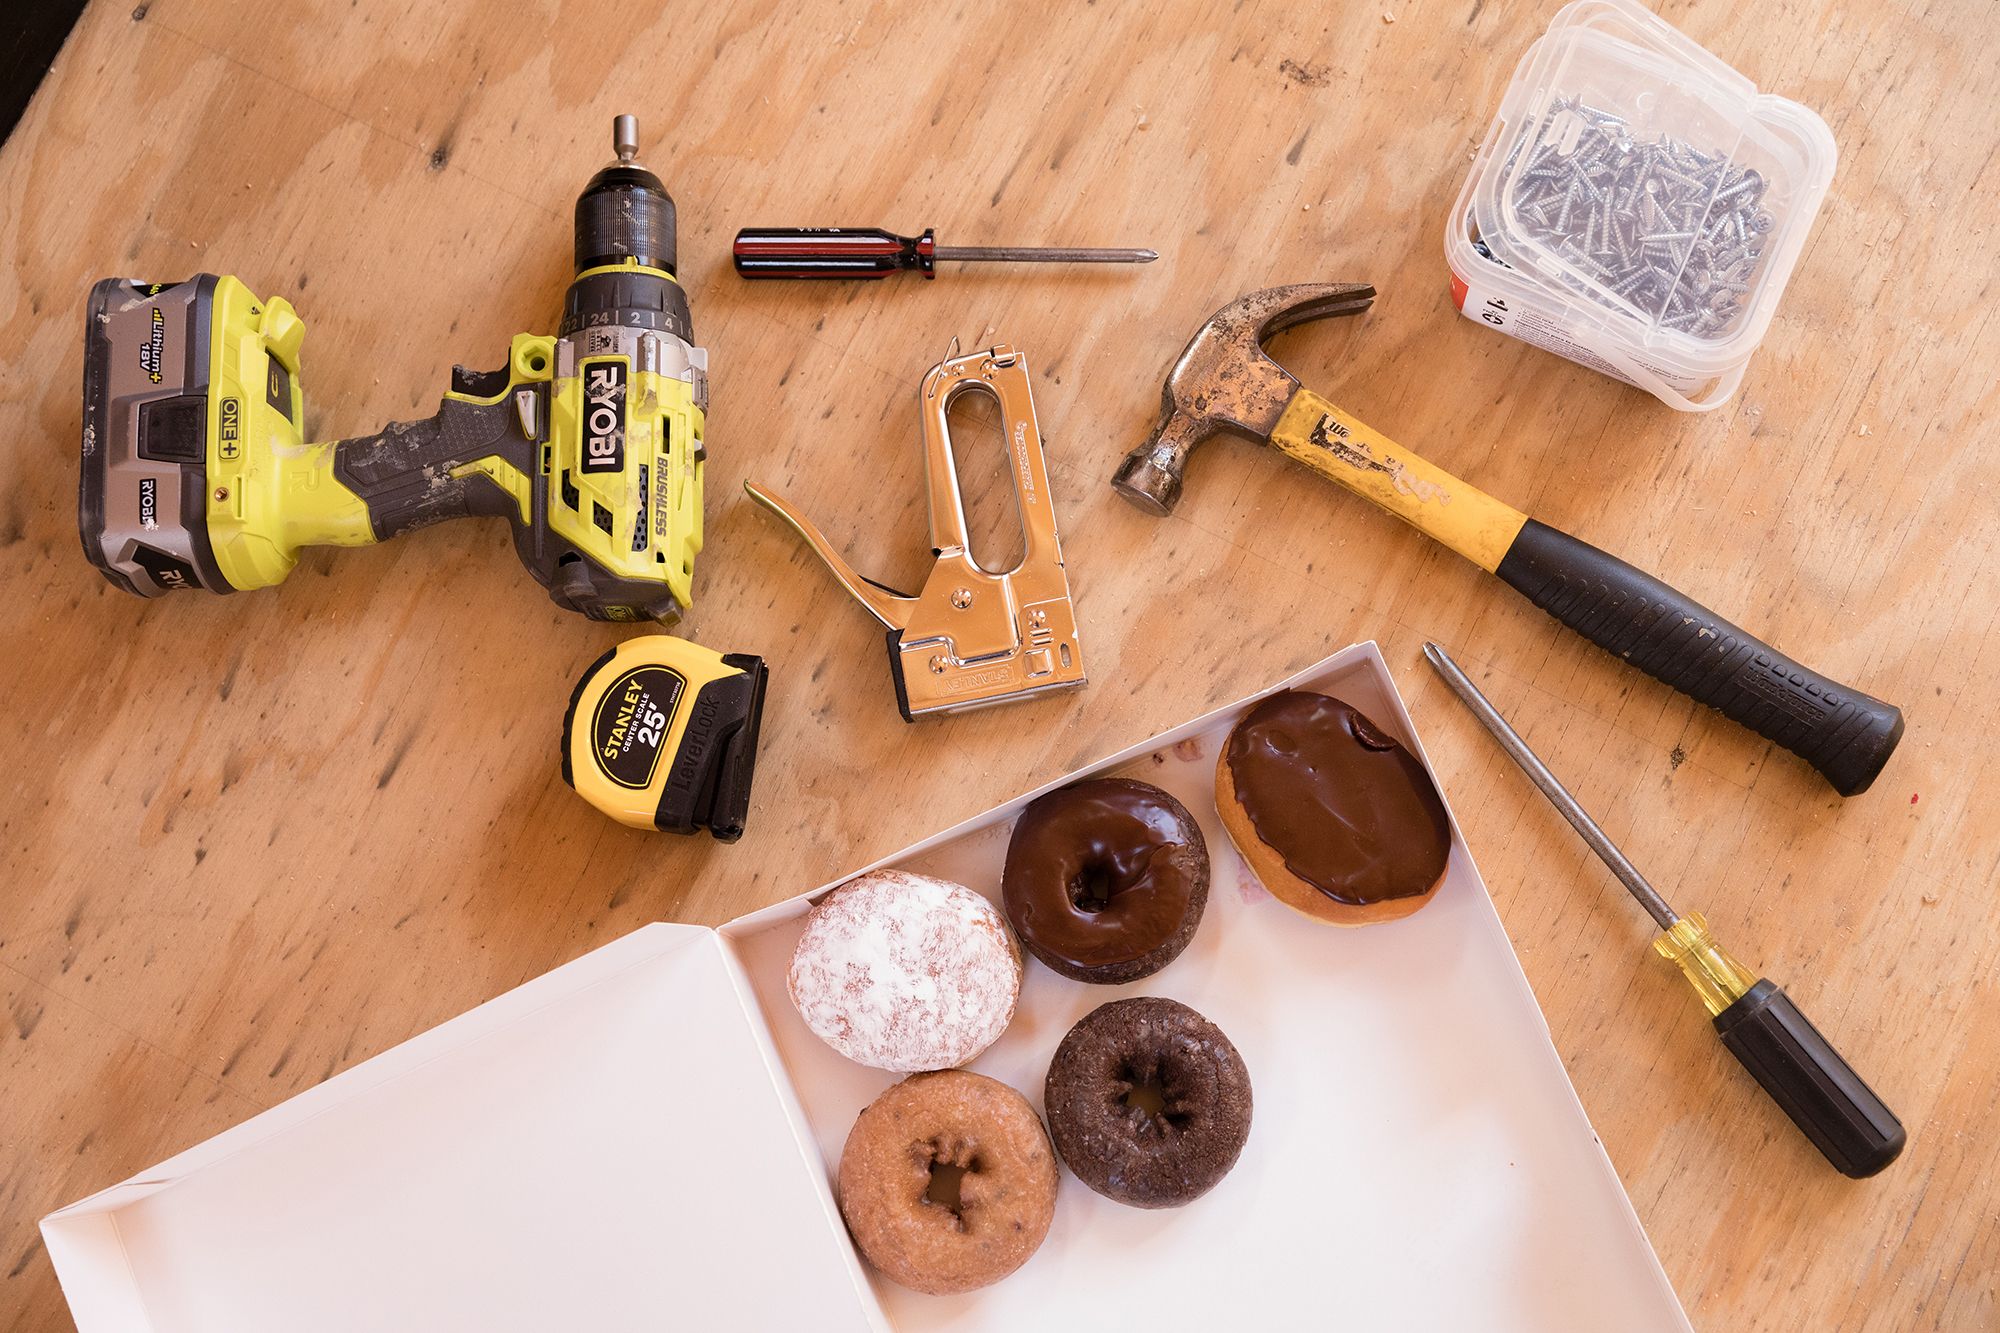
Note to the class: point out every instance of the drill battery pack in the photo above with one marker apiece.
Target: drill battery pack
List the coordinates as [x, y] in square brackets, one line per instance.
[149, 381]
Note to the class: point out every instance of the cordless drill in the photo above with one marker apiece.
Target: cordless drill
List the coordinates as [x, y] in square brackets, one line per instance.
[196, 473]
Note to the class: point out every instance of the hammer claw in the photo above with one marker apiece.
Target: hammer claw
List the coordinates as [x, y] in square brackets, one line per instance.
[1289, 307]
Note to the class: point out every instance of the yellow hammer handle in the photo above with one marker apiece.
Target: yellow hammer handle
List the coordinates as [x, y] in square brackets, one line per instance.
[1376, 468]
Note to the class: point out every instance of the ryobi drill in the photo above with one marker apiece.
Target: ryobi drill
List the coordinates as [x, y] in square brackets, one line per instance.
[196, 473]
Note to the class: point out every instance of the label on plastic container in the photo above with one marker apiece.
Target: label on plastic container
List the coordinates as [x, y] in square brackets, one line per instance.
[1535, 328]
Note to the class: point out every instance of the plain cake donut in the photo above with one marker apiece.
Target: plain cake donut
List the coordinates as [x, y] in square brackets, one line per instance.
[957, 1124]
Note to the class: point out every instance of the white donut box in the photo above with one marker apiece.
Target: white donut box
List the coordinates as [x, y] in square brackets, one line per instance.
[644, 1138]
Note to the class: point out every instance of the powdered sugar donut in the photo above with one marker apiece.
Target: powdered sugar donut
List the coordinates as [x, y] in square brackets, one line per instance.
[905, 972]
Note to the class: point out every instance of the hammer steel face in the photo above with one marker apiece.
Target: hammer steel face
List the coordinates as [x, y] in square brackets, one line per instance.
[1224, 381]
[973, 637]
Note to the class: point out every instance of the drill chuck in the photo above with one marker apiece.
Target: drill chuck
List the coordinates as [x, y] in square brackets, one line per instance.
[625, 215]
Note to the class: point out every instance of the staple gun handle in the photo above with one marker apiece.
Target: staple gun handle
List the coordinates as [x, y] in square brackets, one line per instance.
[890, 607]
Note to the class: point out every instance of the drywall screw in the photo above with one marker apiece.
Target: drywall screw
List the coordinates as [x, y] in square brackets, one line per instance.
[1748, 181]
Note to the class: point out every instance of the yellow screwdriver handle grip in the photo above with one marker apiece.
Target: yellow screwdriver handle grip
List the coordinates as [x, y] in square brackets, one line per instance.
[1718, 978]
[1376, 468]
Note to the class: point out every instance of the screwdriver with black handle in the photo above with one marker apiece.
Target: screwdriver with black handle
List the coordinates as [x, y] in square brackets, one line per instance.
[870, 252]
[1757, 1021]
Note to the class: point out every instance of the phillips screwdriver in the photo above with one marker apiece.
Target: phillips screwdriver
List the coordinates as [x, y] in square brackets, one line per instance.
[870, 252]
[1757, 1021]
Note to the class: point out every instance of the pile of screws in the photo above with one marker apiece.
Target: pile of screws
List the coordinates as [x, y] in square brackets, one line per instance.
[1661, 225]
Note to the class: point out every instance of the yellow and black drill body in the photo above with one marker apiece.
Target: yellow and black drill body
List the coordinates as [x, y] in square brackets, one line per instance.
[196, 472]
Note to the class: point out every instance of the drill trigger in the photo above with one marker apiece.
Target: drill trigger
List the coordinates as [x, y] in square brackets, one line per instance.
[480, 383]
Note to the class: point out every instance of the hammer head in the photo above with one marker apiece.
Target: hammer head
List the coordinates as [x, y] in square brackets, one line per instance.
[1224, 381]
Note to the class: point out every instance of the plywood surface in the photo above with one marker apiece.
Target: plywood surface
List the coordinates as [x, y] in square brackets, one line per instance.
[246, 842]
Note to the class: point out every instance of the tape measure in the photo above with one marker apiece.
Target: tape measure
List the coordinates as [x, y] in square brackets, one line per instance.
[662, 733]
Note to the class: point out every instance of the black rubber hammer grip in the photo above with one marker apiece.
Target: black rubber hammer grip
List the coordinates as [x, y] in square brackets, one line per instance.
[1845, 734]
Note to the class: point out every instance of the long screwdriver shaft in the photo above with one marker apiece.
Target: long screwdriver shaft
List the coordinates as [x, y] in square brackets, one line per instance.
[870, 252]
[1538, 772]
[1044, 254]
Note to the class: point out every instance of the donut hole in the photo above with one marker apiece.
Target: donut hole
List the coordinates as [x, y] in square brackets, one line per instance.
[944, 1186]
[1093, 888]
[1147, 1098]
[951, 1159]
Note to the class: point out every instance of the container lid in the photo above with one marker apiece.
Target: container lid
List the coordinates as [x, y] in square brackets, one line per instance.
[1648, 186]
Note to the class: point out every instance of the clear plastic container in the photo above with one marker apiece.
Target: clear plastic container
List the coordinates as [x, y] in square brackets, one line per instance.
[1637, 205]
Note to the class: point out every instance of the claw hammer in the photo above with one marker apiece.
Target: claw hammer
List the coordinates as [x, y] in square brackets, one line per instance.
[1224, 381]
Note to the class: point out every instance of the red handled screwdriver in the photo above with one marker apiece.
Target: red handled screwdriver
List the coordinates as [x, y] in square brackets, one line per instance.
[870, 252]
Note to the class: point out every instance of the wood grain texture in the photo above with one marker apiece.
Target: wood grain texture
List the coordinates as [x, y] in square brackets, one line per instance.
[246, 842]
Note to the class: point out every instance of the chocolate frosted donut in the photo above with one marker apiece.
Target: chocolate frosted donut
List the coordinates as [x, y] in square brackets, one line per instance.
[1106, 879]
[1148, 1102]
[1336, 818]
[947, 1182]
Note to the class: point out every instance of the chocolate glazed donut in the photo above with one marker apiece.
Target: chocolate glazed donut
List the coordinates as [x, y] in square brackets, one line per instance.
[1332, 814]
[1148, 1102]
[1106, 879]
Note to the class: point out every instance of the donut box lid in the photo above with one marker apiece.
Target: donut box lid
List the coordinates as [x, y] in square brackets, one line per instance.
[610, 1146]
[645, 1138]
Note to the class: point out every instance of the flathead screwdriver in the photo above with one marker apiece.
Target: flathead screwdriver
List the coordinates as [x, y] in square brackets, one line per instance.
[869, 252]
[1757, 1021]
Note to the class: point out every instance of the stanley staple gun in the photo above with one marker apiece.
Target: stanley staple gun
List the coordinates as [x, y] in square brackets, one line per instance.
[972, 637]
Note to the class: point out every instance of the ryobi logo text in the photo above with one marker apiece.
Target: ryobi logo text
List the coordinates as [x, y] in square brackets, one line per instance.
[604, 416]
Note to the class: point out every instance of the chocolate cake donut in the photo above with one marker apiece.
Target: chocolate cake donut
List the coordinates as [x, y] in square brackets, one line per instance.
[947, 1182]
[1148, 1102]
[1106, 879]
[1334, 816]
